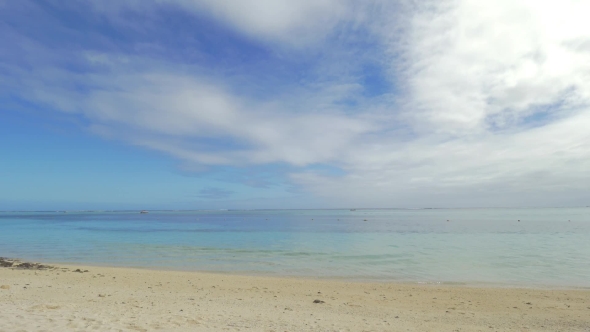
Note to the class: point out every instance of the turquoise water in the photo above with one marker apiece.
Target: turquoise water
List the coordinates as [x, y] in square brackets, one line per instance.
[548, 247]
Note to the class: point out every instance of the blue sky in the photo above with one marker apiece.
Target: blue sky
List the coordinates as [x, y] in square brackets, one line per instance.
[196, 104]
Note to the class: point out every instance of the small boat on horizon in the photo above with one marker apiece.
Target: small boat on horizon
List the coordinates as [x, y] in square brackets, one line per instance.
[143, 212]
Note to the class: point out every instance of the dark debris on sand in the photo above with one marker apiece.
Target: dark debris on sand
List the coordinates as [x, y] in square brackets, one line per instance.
[5, 262]
[16, 264]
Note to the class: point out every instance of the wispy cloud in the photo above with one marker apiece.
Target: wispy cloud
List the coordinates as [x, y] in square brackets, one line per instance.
[433, 103]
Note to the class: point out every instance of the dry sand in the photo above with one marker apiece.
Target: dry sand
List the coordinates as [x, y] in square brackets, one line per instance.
[124, 299]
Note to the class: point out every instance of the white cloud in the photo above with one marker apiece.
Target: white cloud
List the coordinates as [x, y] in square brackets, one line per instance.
[543, 166]
[475, 75]
[493, 105]
[292, 22]
[172, 111]
[474, 64]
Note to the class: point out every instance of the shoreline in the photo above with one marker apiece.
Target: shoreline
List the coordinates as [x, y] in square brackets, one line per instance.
[131, 299]
[255, 274]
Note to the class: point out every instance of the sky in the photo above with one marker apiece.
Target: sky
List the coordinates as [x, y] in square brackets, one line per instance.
[250, 104]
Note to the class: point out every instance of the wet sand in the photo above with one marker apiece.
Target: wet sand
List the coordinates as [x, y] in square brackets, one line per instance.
[66, 298]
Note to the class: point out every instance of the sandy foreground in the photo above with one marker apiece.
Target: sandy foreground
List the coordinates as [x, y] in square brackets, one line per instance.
[122, 299]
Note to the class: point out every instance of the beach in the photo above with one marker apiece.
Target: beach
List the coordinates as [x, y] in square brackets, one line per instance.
[86, 298]
[287, 166]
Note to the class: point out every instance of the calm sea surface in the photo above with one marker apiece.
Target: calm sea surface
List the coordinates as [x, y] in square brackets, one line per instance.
[548, 247]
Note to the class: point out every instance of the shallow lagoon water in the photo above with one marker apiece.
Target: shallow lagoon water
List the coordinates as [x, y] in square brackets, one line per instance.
[547, 247]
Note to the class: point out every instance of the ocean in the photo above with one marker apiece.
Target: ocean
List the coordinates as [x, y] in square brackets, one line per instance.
[497, 247]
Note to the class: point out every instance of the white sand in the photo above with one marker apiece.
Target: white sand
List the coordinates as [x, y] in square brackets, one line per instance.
[121, 299]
